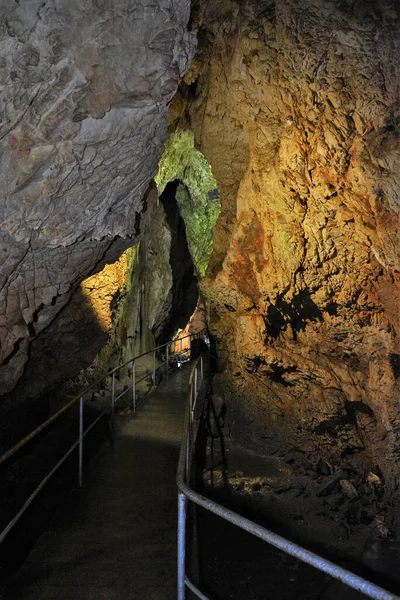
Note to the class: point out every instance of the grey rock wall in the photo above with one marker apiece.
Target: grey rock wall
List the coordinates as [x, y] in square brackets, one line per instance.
[85, 87]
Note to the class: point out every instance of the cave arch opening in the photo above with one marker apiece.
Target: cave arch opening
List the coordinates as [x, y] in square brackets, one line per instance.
[187, 314]
[190, 196]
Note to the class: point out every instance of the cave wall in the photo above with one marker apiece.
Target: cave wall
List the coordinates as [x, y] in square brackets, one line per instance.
[85, 93]
[197, 196]
[181, 261]
[162, 292]
[296, 107]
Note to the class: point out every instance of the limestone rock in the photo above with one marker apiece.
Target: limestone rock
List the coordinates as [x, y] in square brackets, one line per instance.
[374, 480]
[85, 93]
[296, 107]
[348, 489]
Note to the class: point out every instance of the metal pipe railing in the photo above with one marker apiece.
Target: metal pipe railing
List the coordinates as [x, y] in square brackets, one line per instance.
[30, 436]
[6, 455]
[81, 443]
[185, 493]
[82, 433]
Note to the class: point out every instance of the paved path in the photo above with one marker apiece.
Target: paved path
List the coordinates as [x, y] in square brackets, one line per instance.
[116, 539]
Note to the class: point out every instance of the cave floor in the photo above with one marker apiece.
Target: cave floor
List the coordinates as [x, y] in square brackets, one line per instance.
[116, 538]
[282, 495]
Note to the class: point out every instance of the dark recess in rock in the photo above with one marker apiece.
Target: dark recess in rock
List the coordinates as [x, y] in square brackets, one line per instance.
[348, 416]
[332, 308]
[297, 313]
[230, 308]
[184, 287]
[278, 371]
[395, 364]
[275, 372]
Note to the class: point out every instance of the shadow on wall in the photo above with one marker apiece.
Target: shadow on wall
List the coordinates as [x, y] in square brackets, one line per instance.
[300, 310]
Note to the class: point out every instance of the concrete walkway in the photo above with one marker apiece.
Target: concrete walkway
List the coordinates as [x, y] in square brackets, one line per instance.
[116, 538]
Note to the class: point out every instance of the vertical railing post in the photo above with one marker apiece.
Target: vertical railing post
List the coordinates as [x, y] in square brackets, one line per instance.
[80, 477]
[180, 353]
[181, 545]
[193, 397]
[188, 453]
[167, 360]
[189, 438]
[134, 386]
[201, 368]
[113, 400]
[195, 382]
[154, 369]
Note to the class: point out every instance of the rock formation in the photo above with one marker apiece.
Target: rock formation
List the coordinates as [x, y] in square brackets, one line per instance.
[296, 107]
[85, 93]
[163, 293]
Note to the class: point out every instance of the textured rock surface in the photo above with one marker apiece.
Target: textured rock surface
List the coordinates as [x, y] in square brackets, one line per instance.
[85, 89]
[296, 107]
[72, 340]
[197, 196]
[163, 291]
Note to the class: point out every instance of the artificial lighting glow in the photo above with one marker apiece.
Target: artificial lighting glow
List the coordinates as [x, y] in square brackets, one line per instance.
[100, 289]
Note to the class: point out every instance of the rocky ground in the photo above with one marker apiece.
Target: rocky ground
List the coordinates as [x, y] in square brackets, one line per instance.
[339, 512]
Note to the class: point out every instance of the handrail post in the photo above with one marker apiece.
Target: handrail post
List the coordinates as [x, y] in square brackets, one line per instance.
[167, 360]
[180, 353]
[80, 477]
[113, 400]
[134, 386]
[201, 368]
[188, 453]
[189, 439]
[181, 545]
[195, 383]
[154, 369]
[192, 404]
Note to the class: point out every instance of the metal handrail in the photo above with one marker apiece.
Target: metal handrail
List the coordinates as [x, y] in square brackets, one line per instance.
[185, 493]
[30, 436]
[83, 433]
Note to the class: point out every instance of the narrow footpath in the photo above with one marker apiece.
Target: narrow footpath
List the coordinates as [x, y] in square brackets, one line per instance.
[116, 538]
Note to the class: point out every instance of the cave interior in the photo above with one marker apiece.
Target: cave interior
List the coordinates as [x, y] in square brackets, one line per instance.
[172, 166]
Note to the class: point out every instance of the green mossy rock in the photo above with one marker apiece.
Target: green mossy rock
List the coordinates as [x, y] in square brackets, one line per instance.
[197, 197]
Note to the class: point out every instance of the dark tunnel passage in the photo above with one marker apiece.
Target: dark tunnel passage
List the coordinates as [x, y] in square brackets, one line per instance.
[184, 288]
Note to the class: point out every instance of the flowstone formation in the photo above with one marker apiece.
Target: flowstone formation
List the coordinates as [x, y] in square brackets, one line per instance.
[84, 107]
[296, 107]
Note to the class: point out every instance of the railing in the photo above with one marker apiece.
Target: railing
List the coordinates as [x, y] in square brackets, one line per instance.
[83, 433]
[185, 493]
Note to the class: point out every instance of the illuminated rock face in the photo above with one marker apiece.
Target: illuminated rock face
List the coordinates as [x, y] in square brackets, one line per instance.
[297, 110]
[86, 89]
[71, 341]
[101, 289]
